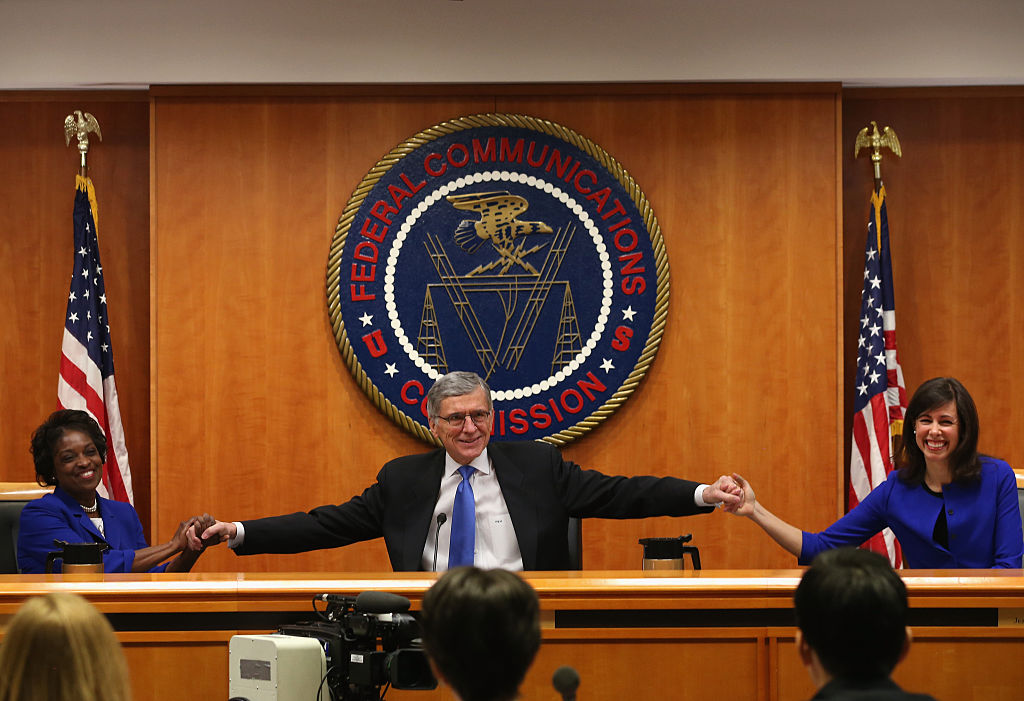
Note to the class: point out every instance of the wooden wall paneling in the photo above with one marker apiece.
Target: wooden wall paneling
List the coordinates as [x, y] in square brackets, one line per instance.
[37, 189]
[253, 399]
[746, 377]
[957, 237]
[256, 412]
[949, 666]
[160, 669]
[653, 666]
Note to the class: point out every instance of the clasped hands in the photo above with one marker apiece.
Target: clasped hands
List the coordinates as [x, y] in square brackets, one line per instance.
[207, 533]
[732, 493]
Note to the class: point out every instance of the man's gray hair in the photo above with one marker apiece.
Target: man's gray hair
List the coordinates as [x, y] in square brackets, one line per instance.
[454, 384]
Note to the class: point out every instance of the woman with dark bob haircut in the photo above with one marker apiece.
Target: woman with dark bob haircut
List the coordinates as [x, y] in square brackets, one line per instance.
[949, 506]
[69, 450]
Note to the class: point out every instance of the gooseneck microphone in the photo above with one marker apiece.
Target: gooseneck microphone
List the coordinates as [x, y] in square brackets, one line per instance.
[566, 680]
[441, 518]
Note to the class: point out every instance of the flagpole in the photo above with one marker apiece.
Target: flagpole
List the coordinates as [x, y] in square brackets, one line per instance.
[86, 375]
[876, 141]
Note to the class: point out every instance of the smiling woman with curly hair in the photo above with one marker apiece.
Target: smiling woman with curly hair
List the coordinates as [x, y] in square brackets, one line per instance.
[68, 450]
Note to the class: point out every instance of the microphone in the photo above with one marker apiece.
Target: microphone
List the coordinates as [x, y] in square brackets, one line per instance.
[381, 602]
[441, 518]
[334, 599]
[566, 680]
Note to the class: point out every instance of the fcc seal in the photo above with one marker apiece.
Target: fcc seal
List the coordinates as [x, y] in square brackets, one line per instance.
[509, 246]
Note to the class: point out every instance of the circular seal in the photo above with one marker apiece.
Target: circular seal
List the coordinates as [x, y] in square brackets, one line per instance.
[509, 246]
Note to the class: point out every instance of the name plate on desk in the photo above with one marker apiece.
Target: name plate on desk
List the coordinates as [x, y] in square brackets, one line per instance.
[1011, 618]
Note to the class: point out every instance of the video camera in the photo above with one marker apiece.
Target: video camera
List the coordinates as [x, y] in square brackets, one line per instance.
[370, 642]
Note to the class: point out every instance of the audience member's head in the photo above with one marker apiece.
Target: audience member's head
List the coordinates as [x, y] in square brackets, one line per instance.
[851, 608]
[58, 647]
[481, 630]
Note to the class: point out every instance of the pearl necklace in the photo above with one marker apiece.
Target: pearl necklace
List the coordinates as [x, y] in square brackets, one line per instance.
[91, 509]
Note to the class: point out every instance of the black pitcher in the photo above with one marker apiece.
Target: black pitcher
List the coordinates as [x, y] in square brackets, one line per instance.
[77, 558]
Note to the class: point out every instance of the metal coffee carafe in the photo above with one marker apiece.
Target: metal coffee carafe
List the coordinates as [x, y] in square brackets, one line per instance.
[668, 553]
[77, 558]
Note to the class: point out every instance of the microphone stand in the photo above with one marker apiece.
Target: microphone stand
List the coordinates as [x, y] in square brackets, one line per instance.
[441, 519]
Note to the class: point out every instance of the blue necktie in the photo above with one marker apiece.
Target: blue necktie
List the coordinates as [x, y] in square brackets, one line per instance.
[460, 550]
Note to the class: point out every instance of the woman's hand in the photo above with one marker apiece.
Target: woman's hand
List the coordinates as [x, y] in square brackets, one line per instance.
[197, 524]
[180, 538]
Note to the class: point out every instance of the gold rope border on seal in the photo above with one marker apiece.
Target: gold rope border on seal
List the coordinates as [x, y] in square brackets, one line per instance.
[502, 120]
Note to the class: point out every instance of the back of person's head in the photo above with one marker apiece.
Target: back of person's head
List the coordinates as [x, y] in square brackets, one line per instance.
[852, 610]
[481, 629]
[58, 647]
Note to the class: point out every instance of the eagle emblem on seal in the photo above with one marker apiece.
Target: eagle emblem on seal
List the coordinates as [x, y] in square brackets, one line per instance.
[498, 224]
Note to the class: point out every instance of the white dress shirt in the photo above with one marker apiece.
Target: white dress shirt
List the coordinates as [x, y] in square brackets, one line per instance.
[496, 544]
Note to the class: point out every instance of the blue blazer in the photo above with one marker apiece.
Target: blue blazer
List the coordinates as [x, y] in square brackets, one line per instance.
[59, 517]
[983, 517]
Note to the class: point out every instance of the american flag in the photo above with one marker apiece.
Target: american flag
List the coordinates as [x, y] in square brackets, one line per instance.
[87, 360]
[880, 395]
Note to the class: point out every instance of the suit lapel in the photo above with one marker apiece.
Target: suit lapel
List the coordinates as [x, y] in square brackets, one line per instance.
[521, 510]
[420, 500]
[77, 515]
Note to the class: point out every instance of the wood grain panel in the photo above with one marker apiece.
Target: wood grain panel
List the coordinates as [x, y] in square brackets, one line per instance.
[37, 189]
[750, 227]
[163, 670]
[946, 666]
[255, 414]
[956, 224]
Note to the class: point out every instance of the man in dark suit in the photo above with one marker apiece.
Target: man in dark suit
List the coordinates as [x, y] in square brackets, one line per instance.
[520, 496]
[851, 609]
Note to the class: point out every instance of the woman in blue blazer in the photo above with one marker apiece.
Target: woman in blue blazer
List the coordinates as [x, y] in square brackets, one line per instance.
[948, 506]
[69, 450]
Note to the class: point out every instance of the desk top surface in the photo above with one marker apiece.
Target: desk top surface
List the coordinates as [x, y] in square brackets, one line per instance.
[584, 589]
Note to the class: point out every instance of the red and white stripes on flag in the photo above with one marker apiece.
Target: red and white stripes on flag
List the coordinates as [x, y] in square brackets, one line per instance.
[880, 395]
[87, 360]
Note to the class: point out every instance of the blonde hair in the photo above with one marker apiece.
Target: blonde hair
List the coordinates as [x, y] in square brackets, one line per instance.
[59, 647]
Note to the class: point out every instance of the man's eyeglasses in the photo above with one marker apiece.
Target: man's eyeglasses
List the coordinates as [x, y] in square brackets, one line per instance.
[458, 420]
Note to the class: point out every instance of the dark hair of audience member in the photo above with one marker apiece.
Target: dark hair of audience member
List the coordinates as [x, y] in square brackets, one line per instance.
[852, 610]
[481, 628]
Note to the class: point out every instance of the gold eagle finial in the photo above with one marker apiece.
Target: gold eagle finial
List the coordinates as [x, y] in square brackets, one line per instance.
[79, 125]
[876, 142]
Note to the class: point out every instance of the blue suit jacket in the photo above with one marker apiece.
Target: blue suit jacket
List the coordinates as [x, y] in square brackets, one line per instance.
[59, 517]
[540, 489]
[983, 517]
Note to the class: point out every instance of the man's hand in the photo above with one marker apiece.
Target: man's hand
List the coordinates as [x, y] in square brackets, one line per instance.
[217, 532]
[724, 491]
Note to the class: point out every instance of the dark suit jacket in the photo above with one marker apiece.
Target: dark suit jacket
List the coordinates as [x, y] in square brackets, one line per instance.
[59, 517]
[540, 488]
[872, 690]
